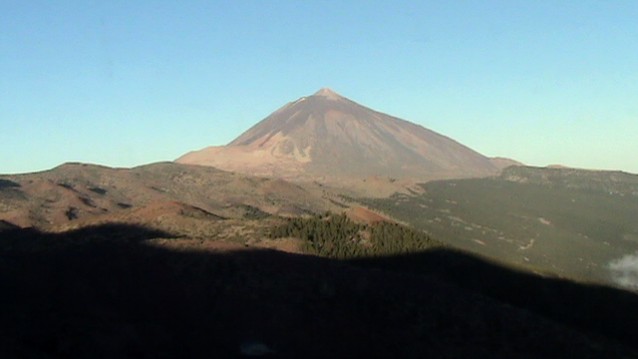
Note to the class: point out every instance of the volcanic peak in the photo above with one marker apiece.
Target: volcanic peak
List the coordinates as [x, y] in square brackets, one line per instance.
[329, 136]
[328, 93]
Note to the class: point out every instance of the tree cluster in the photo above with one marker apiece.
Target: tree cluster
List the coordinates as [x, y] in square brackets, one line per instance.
[336, 236]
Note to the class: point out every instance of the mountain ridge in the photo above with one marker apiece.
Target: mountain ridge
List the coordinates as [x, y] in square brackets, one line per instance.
[74, 193]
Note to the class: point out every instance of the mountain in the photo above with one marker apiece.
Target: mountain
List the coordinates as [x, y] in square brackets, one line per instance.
[327, 136]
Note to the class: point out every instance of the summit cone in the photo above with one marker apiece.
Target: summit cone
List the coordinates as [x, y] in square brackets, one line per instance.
[327, 136]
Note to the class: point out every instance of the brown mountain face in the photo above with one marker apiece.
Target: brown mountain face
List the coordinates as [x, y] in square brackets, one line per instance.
[74, 195]
[327, 136]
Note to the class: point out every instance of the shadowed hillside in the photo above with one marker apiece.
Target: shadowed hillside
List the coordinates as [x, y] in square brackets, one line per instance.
[590, 308]
[109, 292]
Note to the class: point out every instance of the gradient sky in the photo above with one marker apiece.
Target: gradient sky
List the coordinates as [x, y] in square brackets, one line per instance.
[124, 83]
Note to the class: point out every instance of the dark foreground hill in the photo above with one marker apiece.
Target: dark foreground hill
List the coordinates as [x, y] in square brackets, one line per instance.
[111, 292]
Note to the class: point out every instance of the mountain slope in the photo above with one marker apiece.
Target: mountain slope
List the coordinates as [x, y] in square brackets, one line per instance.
[73, 194]
[575, 223]
[329, 136]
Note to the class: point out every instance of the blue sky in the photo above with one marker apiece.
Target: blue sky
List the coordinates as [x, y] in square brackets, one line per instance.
[123, 83]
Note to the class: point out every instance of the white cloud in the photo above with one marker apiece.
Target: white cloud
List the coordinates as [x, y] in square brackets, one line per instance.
[624, 271]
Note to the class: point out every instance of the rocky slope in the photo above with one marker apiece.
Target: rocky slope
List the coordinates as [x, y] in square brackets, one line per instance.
[75, 194]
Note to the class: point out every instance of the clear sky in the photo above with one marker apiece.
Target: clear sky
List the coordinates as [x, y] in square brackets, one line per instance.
[124, 83]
